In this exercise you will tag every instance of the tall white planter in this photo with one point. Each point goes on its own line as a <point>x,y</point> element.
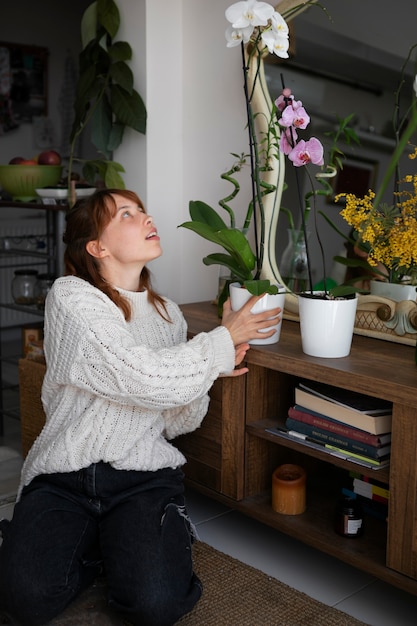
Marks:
<point>326,325</point>
<point>239,296</point>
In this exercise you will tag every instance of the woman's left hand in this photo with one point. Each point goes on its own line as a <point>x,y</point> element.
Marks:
<point>240,353</point>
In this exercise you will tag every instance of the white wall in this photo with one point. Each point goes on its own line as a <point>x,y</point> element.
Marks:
<point>194,96</point>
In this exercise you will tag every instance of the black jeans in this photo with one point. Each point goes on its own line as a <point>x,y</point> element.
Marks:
<point>67,528</point>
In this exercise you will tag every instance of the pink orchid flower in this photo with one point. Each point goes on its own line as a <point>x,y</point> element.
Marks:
<point>295,116</point>
<point>282,101</point>
<point>304,152</point>
<point>288,140</point>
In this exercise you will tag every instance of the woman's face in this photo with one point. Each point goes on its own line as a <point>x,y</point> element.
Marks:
<point>130,238</point>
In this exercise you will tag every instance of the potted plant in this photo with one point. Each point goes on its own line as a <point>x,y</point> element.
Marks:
<point>327,316</point>
<point>258,29</point>
<point>105,100</point>
<point>385,235</point>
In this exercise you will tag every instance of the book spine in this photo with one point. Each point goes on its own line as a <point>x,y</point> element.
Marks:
<point>369,507</point>
<point>370,423</point>
<point>354,455</point>
<point>336,427</point>
<point>334,439</point>
<point>369,490</point>
<point>325,448</point>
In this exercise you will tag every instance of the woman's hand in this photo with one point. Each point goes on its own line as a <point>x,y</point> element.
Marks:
<point>244,325</point>
<point>240,353</point>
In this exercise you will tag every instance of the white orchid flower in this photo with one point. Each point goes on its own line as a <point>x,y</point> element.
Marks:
<point>279,24</point>
<point>276,43</point>
<point>415,84</point>
<point>249,13</point>
<point>234,36</point>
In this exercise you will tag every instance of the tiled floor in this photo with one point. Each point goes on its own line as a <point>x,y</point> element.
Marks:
<point>318,575</point>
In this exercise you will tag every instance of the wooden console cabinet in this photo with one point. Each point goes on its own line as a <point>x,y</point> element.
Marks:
<point>232,456</point>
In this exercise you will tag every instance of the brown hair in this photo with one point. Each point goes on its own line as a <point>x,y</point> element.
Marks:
<point>85,222</point>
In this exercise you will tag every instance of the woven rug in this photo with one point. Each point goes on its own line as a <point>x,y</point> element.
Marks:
<point>234,594</point>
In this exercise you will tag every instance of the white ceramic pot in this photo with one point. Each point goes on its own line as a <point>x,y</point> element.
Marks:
<point>327,325</point>
<point>239,296</point>
<point>393,291</point>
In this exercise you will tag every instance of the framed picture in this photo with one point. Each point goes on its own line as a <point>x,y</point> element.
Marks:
<point>31,334</point>
<point>357,177</point>
<point>26,85</point>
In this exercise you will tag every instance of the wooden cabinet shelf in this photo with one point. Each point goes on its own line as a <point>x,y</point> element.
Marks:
<point>232,456</point>
<point>260,429</point>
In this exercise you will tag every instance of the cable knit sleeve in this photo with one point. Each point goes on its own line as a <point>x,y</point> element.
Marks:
<point>89,345</point>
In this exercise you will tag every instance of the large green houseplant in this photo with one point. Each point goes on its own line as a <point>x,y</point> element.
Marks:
<point>105,100</point>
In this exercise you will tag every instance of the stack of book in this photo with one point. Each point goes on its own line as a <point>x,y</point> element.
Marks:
<point>344,423</point>
<point>372,494</point>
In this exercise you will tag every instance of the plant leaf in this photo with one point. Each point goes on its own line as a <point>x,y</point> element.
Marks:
<point>226,260</point>
<point>120,51</point>
<point>116,137</point>
<point>259,287</point>
<point>202,212</point>
<point>129,108</point>
<point>108,16</point>
<point>88,24</point>
<point>102,125</point>
<point>121,74</point>
<point>232,240</point>
<point>112,178</point>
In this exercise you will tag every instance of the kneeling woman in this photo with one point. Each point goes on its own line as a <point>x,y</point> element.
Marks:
<point>102,486</point>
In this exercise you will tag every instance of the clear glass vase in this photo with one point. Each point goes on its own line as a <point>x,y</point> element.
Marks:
<point>293,266</point>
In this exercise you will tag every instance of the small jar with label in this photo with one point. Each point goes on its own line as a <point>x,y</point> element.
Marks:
<point>348,518</point>
<point>24,286</point>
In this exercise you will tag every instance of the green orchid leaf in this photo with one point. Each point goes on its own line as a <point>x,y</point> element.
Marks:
<point>355,262</point>
<point>129,108</point>
<point>236,270</point>
<point>235,242</point>
<point>202,212</point>
<point>361,263</point>
<point>259,287</point>
<point>344,291</point>
<point>232,240</point>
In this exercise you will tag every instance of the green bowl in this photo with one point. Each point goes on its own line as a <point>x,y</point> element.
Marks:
<point>20,181</point>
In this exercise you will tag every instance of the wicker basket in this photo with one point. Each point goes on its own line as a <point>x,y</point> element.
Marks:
<point>32,416</point>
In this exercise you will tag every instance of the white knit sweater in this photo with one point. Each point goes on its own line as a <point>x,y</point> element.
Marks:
<point>115,391</point>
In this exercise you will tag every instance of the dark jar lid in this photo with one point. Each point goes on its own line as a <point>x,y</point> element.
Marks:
<point>26,272</point>
<point>46,277</point>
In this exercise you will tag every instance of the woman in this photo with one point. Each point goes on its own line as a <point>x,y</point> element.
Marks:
<point>102,487</point>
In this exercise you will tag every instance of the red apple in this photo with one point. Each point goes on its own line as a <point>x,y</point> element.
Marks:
<point>28,162</point>
<point>16,161</point>
<point>50,157</point>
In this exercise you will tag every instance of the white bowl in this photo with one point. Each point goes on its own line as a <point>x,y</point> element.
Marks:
<point>62,194</point>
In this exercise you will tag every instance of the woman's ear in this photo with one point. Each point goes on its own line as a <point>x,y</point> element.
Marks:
<point>94,248</point>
